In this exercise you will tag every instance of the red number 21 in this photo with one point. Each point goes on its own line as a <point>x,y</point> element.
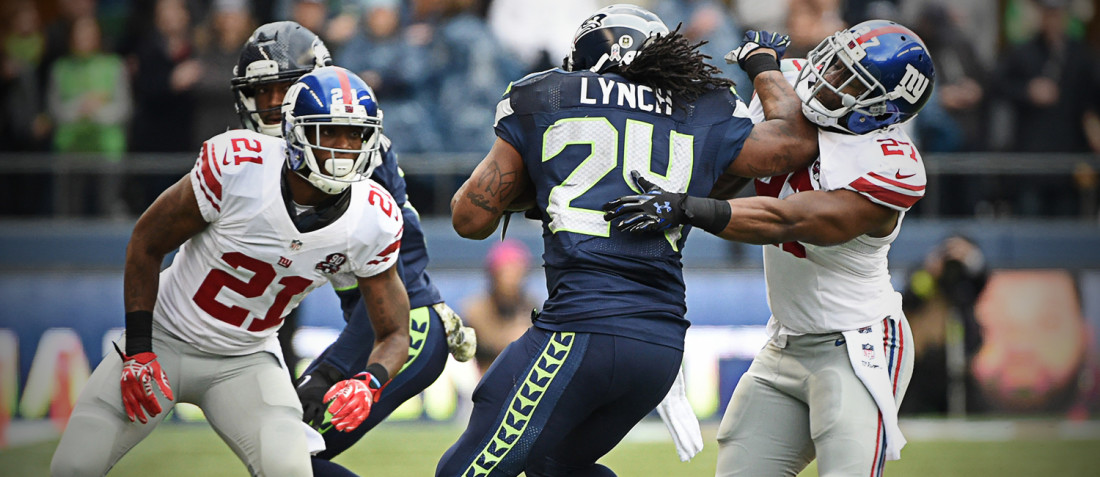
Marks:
<point>251,145</point>
<point>263,275</point>
<point>888,146</point>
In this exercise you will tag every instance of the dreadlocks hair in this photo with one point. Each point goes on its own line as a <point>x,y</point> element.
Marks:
<point>672,63</point>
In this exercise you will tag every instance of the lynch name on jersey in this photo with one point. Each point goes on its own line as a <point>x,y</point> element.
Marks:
<point>606,91</point>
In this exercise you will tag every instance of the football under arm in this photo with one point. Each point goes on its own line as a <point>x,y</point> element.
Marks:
<point>785,141</point>
<point>388,307</point>
<point>496,182</point>
<point>813,217</point>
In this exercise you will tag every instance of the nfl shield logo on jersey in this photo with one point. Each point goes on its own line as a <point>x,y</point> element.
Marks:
<point>868,351</point>
<point>332,263</point>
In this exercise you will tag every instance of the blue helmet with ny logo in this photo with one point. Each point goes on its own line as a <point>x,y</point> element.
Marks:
<point>870,76</point>
<point>318,102</point>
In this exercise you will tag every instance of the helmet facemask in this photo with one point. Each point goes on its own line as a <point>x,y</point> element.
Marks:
<point>835,71</point>
<point>259,74</point>
<point>320,164</point>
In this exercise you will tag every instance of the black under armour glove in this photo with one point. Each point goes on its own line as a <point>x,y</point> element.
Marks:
<point>656,209</point>
<point>311,392</point>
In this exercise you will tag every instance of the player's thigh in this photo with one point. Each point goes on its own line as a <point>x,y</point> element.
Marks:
<point>427,358</point>
<point>844,420</point>
<point>513,403</point>
<point>764,431</point>
<point>252,405</point>
<point>99,432</point>
<point>619,382</point>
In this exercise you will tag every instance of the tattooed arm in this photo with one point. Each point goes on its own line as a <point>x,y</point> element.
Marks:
<point>478,205</point>
<point>785,141</point>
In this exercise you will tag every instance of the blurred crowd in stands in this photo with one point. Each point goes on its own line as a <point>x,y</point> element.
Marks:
<point>113,77</point>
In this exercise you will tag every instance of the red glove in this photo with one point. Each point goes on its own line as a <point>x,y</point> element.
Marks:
<point>350,400</point>
<point>138,373</point>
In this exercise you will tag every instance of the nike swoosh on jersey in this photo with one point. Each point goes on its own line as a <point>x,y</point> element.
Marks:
<point>899,176</point>
<point>839,342</point>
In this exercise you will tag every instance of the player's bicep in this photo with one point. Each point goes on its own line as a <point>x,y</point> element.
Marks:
<point>837,216</point>
<point>497,181</point>
<point>172,219</point>
<point>775,147</point>
<point>387,302</point>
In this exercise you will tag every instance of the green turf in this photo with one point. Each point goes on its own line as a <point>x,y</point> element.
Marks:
<point>412,450</point>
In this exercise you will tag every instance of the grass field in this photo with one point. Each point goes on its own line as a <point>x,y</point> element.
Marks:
<point>404,449</point>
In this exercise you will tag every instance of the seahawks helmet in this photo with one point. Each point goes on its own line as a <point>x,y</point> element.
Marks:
<point>879,74</point>
<point>612,37</point>
<point>331,96</point>
<point>276,52</point>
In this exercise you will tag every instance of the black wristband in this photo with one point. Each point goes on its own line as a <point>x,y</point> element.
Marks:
<point>379,372</point>
<point>139,332</point>
<point>759,63</point>
<point>711,215</point>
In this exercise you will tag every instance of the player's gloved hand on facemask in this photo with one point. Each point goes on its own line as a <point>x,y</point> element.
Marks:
<point>350,400</point>
<point>754,40</point>
<point>656,209</point>
<point>139,372</point>
<point>461,339</point>
<point>312,388</point>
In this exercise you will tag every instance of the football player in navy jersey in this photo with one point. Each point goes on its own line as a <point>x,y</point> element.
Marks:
<point>273,57</point>
<point>608,342</point>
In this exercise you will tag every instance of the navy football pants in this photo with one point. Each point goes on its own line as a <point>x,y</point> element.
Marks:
<point>554,402</point>
<point>427,358</point>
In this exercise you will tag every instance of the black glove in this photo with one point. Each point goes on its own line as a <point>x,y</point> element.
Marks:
<point>653,210</point>
<point>753,65</point>
<point>311,392</point>
<point>656,209</point>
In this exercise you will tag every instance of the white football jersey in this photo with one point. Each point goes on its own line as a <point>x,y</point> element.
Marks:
<point>230,286</point>
<point>815,289</point>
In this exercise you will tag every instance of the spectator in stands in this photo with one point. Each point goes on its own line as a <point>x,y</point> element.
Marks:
<point>503,313</point>
<point>24,121</point>
<point>939,301</point>
<point>809,22</point>
<point>399,68</point>
<point>708,20</point>
<point>475,70</point>
<point>229,25</point>
<point>1051,83</point>
<point>57,33</point>
<point>536,32</point>
<point>89,99</point>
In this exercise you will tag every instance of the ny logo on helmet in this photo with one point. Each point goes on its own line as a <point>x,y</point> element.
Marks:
<point>662,208</point>
<point>912,85</point>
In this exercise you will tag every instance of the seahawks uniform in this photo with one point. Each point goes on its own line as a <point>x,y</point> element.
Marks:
<point>607,344</point>
<point>840,345</point>
<point>427,337</point>
<point>221,301</point>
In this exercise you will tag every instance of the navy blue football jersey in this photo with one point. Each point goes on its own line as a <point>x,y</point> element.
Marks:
<point>580,135</point>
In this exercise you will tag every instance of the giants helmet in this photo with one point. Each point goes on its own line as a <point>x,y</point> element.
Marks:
<point>331,96</point>
<point>880,72</point>
<point>611,37</point>
<point>279,51</point>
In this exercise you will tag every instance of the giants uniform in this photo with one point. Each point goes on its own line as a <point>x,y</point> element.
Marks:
<point>836,323</point>
<point>223,298</point>
<point>427,335</point>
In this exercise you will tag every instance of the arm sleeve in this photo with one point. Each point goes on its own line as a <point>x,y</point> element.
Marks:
<point>350,351</point>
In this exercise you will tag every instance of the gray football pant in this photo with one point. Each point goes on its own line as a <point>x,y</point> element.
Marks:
<point>802,401</point>
<point>248,400</point>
